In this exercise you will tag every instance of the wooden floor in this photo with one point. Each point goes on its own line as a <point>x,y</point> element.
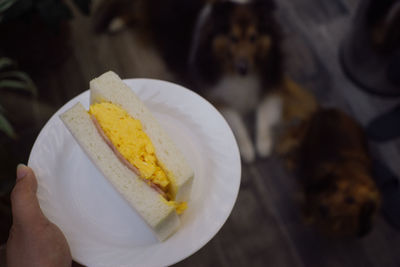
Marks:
<point>265,227</point>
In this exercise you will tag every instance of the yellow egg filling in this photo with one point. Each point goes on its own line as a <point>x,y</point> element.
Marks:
<point>127,135</point>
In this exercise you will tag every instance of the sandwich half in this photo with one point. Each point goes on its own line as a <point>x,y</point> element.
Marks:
<point>127,144</point>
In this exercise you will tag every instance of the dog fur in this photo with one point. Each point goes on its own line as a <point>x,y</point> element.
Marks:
<point>238,66</point>
<point>227,51</point>
<point>330,157</point>
<point>230,52</point>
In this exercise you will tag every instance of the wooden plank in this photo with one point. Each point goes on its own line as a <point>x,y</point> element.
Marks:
<point>251,237</point>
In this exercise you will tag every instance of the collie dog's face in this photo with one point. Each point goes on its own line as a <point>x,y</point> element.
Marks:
<point>242,43</point>
<point>344,204</point>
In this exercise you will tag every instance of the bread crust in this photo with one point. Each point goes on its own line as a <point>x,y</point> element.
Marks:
<point>150,205</point>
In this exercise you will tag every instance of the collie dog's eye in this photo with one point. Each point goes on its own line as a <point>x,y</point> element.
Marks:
<point>252,38</point>
<point>234,39</point>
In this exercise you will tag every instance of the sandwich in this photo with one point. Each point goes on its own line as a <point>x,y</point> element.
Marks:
<point>134,153</point>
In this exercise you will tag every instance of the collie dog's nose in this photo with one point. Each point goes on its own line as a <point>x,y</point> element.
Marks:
<point>242,67</point>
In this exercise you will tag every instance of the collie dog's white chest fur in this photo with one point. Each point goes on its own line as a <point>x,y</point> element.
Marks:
<point>242,93</point>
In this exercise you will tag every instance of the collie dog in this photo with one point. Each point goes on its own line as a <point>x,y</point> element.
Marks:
<point>228,51</point>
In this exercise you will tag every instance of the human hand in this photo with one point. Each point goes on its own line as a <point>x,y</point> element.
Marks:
<point>33,240</point>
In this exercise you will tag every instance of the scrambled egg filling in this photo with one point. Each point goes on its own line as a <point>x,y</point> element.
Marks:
<point>180,207</point>
<point>128,137</point>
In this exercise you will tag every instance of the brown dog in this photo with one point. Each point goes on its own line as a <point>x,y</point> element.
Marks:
<point>330,156</point>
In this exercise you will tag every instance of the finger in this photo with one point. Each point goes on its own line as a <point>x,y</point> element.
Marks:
<point>25,206</point>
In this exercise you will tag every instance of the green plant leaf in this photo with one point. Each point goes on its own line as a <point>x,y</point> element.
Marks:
<point>6,4</point>
<point>30,86</point>
<point>17,85</point>
<point>6,62</point>
<point>83,5</point>
<point>18,9</point>
<point>6,127</point>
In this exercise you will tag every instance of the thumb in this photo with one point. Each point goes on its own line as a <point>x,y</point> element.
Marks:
<point>25,205</point>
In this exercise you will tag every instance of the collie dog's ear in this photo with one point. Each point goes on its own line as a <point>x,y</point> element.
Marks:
<point>263,45</point>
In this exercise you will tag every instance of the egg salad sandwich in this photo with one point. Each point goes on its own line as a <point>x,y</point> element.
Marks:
<point>134,153</point>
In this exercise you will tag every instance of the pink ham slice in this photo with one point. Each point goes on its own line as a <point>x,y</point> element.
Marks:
<point>124,160</point>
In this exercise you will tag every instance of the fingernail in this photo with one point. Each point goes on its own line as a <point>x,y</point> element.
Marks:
<point>22,171</point>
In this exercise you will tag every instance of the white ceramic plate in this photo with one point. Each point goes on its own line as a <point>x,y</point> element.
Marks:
<point>100,227</point>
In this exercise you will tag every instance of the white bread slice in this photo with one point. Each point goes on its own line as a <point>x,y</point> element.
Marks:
<point>160,216</point>
<point>109,87</point>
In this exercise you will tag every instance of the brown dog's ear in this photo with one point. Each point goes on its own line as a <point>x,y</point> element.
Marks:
<point>365,218</point>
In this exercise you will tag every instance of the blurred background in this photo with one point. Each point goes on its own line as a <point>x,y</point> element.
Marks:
<point>49,52</point>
